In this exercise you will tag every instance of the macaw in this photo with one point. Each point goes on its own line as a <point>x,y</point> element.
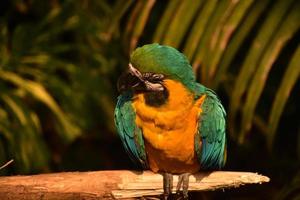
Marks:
<point>168,122</point>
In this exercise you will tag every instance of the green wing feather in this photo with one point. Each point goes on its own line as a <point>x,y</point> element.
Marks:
<point>211,131</point>
<point>131,136</point>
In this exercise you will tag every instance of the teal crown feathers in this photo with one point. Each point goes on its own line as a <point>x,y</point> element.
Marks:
<point>164,60</point>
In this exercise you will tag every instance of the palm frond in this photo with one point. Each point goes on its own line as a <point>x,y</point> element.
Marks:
<point>285,32</point>
<point>274,18</point>
<point>289,79</point>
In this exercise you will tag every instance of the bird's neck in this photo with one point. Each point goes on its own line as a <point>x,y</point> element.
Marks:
<point>177,108</point>
<point>157,98</point>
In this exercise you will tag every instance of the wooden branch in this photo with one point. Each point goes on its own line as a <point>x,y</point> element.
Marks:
<point>112,184</point>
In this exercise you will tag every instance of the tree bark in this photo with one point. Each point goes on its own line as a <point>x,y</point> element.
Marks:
<point>112,184</point>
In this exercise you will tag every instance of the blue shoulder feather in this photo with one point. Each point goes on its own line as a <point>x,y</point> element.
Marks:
<point>211,131</point>
<point>131,136</point>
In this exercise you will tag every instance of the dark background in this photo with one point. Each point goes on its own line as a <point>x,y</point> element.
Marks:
<point>60,61</point>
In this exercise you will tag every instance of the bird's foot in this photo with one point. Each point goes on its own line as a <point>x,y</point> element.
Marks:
<point>183,180</point>
<point>168,185</point>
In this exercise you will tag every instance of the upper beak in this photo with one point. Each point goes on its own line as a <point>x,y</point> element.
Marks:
<point>133,80</point>
<point>135,72</point>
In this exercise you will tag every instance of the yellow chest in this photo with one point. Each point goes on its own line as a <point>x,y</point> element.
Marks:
<point>169,129</point>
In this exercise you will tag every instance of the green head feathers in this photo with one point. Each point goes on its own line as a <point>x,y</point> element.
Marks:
<point>164,60</point>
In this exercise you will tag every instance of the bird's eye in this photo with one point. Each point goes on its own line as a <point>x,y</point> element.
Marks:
<point>152,77</point>
<point>147,75</point>
<point>157,76</point>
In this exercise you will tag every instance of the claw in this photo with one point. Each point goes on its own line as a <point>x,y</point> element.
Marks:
<point>183,180</point>
<point>168,185</point>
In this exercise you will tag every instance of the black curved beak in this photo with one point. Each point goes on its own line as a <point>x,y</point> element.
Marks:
<point>131,80</point>
<point>134,80</point>
<point>127,81</point>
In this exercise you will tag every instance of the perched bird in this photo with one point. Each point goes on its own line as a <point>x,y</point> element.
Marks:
<point>168,122</point>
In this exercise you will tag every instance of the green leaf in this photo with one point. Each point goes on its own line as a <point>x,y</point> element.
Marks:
<point>289,79</point>
<point>165,20</point>
<point>227,30</point>
<point>211,33</point>
<point>132,21</point>
<point>238,38</point>
<point>140,23</point>
<point>287,29</point>
<point>39,59</point>
<point>181,21</point>
<point>137,22</point>
<point>26,145</point>
<point>265,34</point>
<point>198,28</point>
<point>38,91</point>
<point>16,109</point>
<point>4,52</point>
<point>118,12</point>
<point>4,130</point>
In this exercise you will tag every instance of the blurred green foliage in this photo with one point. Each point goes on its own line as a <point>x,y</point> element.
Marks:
<point>60,60</point>
<point>56,71</point>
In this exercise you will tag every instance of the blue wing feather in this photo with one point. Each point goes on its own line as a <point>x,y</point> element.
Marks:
<point>211,131</point>
<point>130,135</point>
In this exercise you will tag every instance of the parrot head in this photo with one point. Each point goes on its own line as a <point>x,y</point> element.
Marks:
<point>151,64</point>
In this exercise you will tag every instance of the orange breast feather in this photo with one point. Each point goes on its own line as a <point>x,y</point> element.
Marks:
<point>169,130</point>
